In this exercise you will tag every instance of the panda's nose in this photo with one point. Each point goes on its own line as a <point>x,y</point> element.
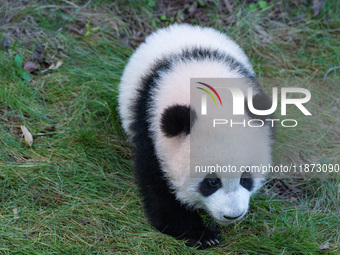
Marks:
<point>232,218</point>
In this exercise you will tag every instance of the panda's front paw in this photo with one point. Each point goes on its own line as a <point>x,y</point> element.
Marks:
<point>204,239</point>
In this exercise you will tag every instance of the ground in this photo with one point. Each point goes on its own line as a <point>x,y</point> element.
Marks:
<point>73,190</point>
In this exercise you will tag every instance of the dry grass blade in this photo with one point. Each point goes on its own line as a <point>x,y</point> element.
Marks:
<point>54,66</point>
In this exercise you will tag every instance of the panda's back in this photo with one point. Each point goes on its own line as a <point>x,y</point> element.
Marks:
<point>165,44</point>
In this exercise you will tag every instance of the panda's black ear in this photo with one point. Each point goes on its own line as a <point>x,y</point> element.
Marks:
<point>261,102</point>
<point>177,119</point>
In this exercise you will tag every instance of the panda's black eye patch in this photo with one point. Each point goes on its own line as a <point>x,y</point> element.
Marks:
<point>209,185</point>
<point>246,180</point>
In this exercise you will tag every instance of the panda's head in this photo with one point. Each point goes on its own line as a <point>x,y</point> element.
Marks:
<point>225,198</point>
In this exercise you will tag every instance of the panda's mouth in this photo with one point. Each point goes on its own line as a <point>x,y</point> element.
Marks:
<point>232,218</point>
<point>225,220</point>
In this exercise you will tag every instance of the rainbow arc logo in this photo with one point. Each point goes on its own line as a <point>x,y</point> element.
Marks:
<point>212,89</point>
<point>204,98</point>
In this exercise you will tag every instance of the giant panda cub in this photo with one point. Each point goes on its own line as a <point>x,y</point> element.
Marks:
<point>155,110</point>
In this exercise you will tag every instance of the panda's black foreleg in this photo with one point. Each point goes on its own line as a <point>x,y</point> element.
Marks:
<point>166,213</point>
<point>170,217</point>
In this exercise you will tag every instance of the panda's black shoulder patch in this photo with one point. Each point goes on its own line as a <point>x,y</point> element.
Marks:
<point>177,119</point>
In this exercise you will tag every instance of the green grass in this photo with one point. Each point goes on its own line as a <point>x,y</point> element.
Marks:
<point>74,189</point>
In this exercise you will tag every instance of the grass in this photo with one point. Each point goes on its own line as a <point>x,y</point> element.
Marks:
<point>74,190</point>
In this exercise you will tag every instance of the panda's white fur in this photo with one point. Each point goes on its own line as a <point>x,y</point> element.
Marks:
<point>249,146</point>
